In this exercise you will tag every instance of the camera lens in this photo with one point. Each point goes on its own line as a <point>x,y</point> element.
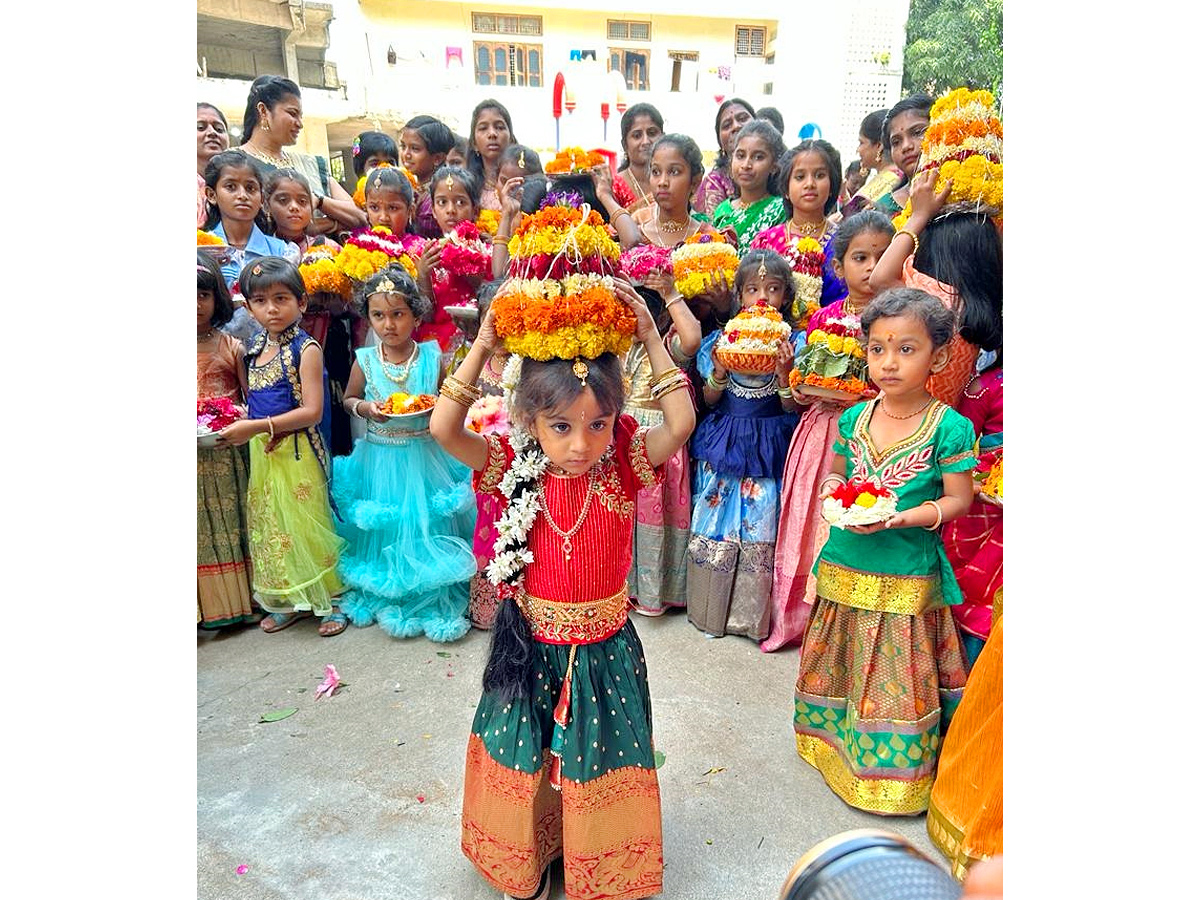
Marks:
<point>868,864</point>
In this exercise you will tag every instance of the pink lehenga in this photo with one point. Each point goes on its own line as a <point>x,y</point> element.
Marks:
<point>802,529</point>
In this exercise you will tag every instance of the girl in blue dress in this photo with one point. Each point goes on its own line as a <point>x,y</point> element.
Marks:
<point>408,508</point>
<point>293,546</point>
<point>739,449</point>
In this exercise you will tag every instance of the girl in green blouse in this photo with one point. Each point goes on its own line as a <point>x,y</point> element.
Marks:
<point>882,667</point>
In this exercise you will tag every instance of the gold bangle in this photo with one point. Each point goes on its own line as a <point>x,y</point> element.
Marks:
<point>938,524</point>
<point>915,239</point>
<point>500,239</point>
<point>665,387</point>
<point>665,374</point>
<point>785,393</point>
<point>469,389</point>
<point>673,386</point>
<point>271,427</point>
<point>450,393</point>
<point>717,385</point>
<point>677,298</point>
<point>616,213</point>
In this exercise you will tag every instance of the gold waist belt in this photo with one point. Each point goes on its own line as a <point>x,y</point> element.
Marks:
<point>570,622</point>
<point>908,595</point>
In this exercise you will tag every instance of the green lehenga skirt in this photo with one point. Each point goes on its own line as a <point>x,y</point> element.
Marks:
<point>292,541</point>
<point>606,822</point>
<point>875,693</point>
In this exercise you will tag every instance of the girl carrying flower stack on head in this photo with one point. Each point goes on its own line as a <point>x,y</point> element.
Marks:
<point>236,215</point>
<point>811,177</point>
<point>371,150</point>
<point>407,507</point>
<point>882,668</point>
<point>947,240</point>
<point>861,241</point>
<point>293,545</point>
<point>560,761</point>
<point>451,268</point>
<point>757,206</point>
<point>222,551</point>
<point>739,450</point>
<point>424,145</point>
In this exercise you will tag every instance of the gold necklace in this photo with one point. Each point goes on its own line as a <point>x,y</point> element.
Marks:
<point>686,234</point>
<point>909,416</point>
<point>279,162</point>
<point>808,229</point>
<point>592,488</point>
<point>669,226</point>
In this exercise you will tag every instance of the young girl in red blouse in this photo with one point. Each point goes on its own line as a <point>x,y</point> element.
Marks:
<point>560,761</point>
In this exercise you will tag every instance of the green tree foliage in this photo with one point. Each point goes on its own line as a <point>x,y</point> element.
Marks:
<point>954,43</point>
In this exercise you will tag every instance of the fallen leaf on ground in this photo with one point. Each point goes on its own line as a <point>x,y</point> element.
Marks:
<point>660,759</point>
<point>714,770</point>
<point>276,715</point>
<point>709,841</point>
<point>443,654</point>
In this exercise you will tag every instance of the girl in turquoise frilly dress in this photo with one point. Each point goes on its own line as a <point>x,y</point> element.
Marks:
<point>407,507</point>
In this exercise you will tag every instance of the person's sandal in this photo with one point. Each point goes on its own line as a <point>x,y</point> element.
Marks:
<point>338,618</point>
<point>280,621</point>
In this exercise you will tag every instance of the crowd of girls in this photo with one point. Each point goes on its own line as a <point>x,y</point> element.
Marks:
<point>318,503</point>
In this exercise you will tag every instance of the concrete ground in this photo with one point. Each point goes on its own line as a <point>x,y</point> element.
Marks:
<point>358,796</point>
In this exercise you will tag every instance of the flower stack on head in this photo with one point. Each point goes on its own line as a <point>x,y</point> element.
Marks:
<point>318,268</point>
<point>858,503</point>
<point>641,259</point>
<point>698,259</point>
<point>560,300</point>
<point>751,339</point>
<point>574,161</point>
<point>965,143</point>
<point>832,364</point>
<point>360,189</point>
<point>370,249</point>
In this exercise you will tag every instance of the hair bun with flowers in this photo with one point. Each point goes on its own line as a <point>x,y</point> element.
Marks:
<point>560,299</point>
<point>965,143</point>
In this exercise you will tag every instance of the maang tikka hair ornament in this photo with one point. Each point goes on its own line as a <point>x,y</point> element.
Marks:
<point>449,182</point>
<point>521,160</point>
<point>580,370</point>
<point>762,266</point>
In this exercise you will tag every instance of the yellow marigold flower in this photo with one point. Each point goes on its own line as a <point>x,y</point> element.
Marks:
<point>865,500</point>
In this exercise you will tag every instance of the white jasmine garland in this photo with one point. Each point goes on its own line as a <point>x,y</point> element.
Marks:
<point>511,548</point>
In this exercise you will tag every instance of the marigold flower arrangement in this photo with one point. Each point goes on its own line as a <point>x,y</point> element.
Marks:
<point>699,258</point>
<point>751,339</point>
<point>401,404</point>
<point>560,301</point>
<point>640,260</point>
<point>965,143</point>
<point>370,249</point>
<point>204,239</point>
<point>832,359</point>
<point>574,160</point>
<point>318,268</point>
<point>858,503</point>
<point>360,189</point>
<point>214,413</point>
<point>488,221</point>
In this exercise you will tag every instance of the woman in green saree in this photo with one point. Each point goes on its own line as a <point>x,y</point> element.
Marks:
<point>758,205</point>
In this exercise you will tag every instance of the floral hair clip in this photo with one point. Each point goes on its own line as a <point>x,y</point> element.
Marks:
<point>257,270</point>
<point>580,370</point>
<point>357,148</point>
<point>385,286</point>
